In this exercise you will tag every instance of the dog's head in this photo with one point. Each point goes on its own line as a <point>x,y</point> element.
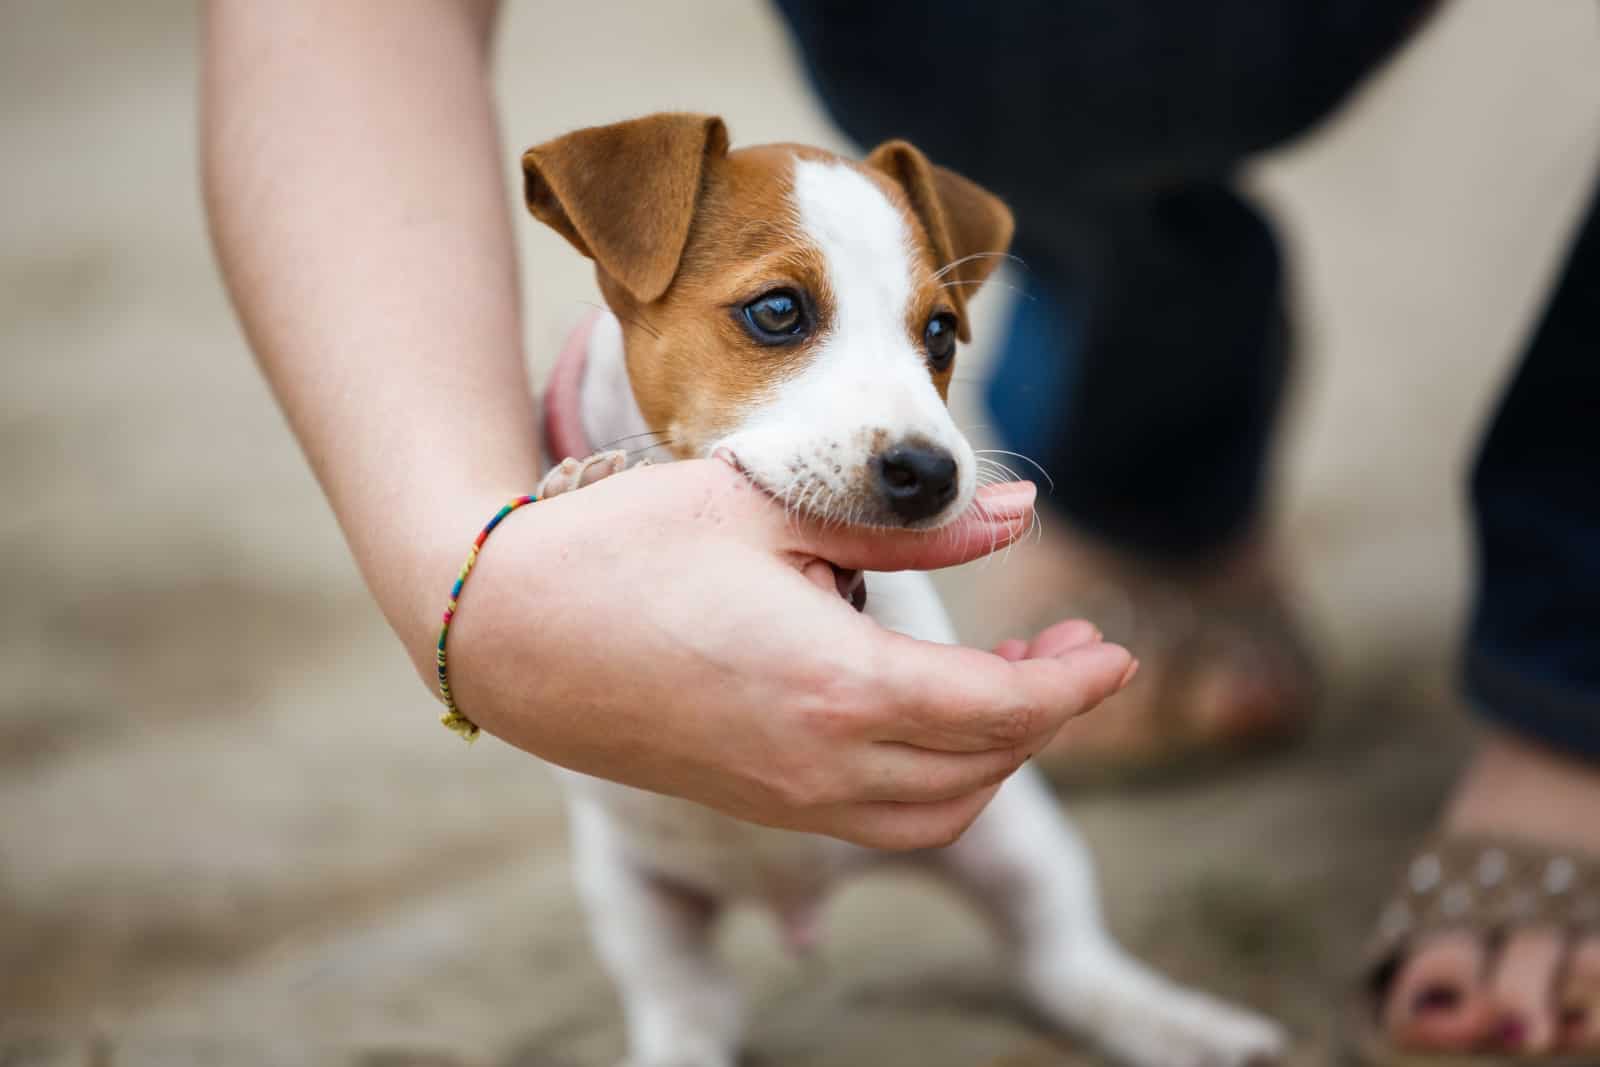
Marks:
<point>795,310</point>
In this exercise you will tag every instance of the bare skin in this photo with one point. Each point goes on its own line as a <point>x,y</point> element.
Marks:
<point>1539,991</point>
<point>658,628</point>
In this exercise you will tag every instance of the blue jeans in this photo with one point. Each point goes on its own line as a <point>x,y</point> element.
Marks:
<point>1147,370</point>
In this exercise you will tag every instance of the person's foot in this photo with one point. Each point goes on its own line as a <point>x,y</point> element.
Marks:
<point>1536,988</point>
<point>1223,666</point>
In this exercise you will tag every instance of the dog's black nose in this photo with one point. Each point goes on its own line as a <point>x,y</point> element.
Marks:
<point>918,480</point>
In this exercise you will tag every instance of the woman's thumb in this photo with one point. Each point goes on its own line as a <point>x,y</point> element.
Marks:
<point>998,515</point>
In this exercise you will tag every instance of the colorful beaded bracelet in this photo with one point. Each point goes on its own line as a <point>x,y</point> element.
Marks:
<point>452,717</point>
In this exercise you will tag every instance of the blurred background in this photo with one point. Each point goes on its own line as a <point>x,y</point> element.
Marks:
<point>231,830</point>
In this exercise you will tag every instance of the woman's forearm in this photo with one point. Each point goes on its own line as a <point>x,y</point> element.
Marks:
<point>656,629</point>
<point>353,178</point>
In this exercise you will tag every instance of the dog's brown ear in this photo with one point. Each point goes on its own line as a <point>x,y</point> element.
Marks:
<point>624,194</point>
<point>969,226</point>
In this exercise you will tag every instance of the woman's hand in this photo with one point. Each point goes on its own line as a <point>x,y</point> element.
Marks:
<point>657,629</point>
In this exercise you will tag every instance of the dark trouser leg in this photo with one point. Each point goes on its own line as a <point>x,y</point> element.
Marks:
<point>1146,376</point>
<point>1533,657</point>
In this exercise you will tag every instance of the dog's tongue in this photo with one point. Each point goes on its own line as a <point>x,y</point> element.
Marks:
<point>563,419</point>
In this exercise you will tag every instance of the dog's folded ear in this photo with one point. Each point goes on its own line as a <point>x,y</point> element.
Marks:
<point>625,194</point>
<point>969,226</point>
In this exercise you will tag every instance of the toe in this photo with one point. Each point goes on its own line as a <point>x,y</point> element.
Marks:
<point>1521,987</point>
<point>1437,1000</point>
<point>1578,999</point>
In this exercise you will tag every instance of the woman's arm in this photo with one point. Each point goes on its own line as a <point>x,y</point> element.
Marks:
<point>353,176</point>
<point>656,628</point>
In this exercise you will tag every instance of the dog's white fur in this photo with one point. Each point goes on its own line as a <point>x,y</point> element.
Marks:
<point>813,441</point>
<point>651,869</point>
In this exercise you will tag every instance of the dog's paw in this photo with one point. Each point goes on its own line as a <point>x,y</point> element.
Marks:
<point>1187,1029</point>
<point>687,1051</point>
<point>1143,1019</point>
<point>572,474</point>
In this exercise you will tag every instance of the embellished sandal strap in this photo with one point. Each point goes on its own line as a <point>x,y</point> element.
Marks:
<point>1487,885</point>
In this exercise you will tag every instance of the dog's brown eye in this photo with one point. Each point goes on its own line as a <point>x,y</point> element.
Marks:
<point>776,317</point>
<point>940,337</point>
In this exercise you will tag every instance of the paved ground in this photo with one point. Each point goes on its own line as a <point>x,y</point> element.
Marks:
<point>230,831</point>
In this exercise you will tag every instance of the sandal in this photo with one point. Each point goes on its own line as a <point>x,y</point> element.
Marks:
<point>1487,886</point>
<point>1188,633</point>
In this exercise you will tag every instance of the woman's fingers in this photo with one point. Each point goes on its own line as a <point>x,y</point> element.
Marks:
<point>1012,649</point>
<point>1052,641</point>
<point>902,771</point>
<point>903,827</point>
<point>998,516</point>
<point>961,700</point>
<point>714,491</point>
<point>894,771</point>
<point>1063,637</point>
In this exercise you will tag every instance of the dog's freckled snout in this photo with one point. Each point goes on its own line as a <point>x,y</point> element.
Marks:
<point>917,480</point>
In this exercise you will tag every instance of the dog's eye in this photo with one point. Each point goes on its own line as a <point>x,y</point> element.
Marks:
<point>940,337</point>
<point>776,317</point>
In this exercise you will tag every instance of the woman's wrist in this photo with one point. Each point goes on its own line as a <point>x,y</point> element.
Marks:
<point>413,586</point>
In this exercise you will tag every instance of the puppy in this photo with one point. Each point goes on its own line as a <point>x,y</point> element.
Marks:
<point>798,314</point>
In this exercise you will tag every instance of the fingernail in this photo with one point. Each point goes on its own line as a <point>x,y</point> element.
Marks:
<point>1008,501</point>
<point>1127,675</point>
<point>1436,998</point>
<point>1511,1032</point>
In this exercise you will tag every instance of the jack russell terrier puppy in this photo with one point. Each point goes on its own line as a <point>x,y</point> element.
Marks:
<point>797,314</point>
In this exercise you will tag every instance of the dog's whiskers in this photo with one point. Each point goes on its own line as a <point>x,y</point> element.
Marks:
<point>992,281</point>
<point>631,437</point>
<point>791,514</point>
<point>636,452</point>
<point>992,472</point>
<point>637,321</point>
<point>984,453</point>
<point>948,267</point>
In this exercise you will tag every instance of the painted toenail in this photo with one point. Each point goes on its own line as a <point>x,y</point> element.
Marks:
<point>1436,998</point>
<point>1511,1032</point>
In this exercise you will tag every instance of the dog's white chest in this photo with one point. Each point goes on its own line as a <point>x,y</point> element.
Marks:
<point>704,850</point>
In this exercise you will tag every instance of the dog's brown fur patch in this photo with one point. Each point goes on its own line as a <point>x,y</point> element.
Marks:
<point>662,198</point>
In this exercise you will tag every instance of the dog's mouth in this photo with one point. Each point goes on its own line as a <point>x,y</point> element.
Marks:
<point>851,584</point>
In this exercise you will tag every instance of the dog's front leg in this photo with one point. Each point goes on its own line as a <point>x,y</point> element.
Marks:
<point>681,1005</point>
<point>1026,868</point>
